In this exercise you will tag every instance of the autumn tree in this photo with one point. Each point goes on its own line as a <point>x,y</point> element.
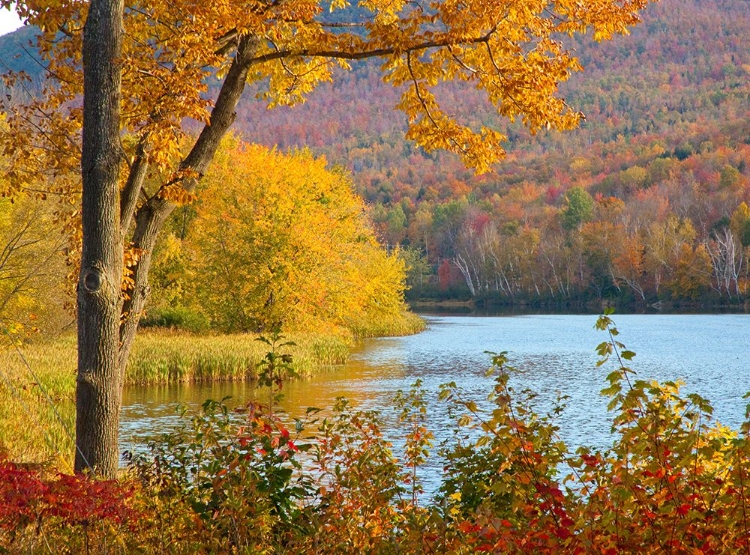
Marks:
<point>281,242</point>
<point>728,262</point>
<point>666,243</point>
<point>692,272</point>
<point>418,269</point>
<point>144,68</point>
<point>740,224</point>
<point>602,242</point>
<point>628,264</point>
<point>33,273</point>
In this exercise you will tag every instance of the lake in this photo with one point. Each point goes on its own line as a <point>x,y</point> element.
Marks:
<point>553,354</point>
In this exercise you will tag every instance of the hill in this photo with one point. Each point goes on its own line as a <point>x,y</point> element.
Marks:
<point>687,63</point>
<point>667,138</point>
<point>17,52</point>
<point>666,135</point>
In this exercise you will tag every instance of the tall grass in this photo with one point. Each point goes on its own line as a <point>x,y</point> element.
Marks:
<point>32,431</point>
<point>31,428</point>
<point>405,323</point>
<point>166,357</point>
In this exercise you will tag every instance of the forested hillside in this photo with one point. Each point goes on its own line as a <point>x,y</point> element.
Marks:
<point>665,144</point>
<point>643,202</point>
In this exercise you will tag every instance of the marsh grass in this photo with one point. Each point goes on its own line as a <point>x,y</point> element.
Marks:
<point>35,430</point>
<point>166,357</point>
<point>30,429</point>
<point>406,323</point>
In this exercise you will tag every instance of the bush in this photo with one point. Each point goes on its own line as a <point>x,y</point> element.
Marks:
<point>68,513</point>
<point>176,317</point>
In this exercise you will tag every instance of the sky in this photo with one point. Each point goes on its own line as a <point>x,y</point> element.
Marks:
<point>8,22</point>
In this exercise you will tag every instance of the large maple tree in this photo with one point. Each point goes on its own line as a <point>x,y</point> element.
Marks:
<point>143,70</point>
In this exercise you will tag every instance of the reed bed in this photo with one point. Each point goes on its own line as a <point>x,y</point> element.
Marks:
<point>37,402</point>
<point>406,323</point>
<point>37,381</point>
<point>165,357</point>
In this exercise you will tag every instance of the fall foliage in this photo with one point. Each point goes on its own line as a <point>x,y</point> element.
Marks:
<point>33,276</point>
<point>279,242</point>
<point>665,132</point>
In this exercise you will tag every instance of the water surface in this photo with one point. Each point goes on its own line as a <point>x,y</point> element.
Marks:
<point>554,354</point>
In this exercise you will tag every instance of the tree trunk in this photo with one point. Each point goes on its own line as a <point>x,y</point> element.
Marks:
<point>107,323</point>
<point>98,388</point>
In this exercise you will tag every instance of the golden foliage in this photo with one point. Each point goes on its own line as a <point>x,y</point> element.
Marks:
<point>281,240</point>
<point>508,49</point>
<point>32,273</point>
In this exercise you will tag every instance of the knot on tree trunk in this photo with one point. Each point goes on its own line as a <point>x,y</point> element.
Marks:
<point>92,280</point>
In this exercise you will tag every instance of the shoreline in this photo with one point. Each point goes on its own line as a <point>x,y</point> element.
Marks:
<point>484,307</point>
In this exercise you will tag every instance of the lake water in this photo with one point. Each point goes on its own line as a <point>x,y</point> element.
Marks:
<point>553,354</point>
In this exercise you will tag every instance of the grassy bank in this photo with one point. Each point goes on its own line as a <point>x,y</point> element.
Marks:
<point>32,429</point>
<point>168,357</point>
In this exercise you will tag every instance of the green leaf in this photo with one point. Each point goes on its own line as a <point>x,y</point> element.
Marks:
<point>614,389</point>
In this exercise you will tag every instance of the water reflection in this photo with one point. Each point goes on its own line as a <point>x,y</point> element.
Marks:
<point>150,410</point>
